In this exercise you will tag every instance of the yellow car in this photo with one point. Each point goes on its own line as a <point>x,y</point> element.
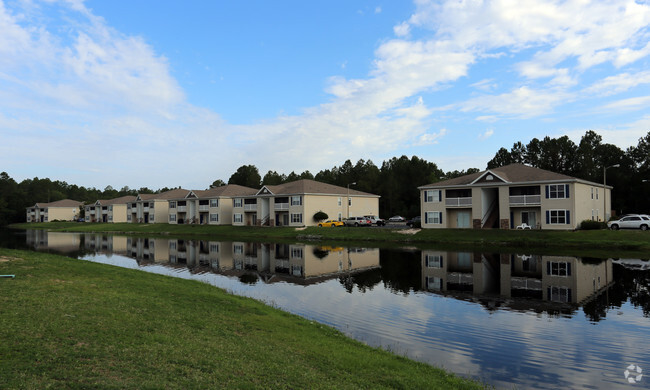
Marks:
<point>331,224</point>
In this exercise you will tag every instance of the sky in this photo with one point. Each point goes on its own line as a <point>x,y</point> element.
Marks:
<point>157,93</point>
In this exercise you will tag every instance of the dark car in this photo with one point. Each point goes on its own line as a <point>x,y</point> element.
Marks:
<point>415,222</point>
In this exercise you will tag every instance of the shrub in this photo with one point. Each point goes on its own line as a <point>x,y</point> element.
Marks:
<point>588,224</point>
<point>319,216</point>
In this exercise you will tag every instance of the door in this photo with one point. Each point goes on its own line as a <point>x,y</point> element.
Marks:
<point>529,218</point>
<point>462,219</point>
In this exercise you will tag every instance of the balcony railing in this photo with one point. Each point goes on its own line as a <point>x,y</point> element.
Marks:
<point>458,202</point>
<point>282,206</point>
<point>181,209</point>
<point>250,207</point>
<point>525,200</point>
<point>204,207</point>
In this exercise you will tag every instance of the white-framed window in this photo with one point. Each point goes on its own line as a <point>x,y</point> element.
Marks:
<point>214,248</point>
<point>151,217</point>
<point>558,217</point>
<point>110,208</point>
<point>172,204</point>
<point>172,217</point>
<point>296,218</point>
<point>296,253</point>
<point>238,249</point>
<point>557,191</point>
<point>432,196</point>
<point>214,217</point>
<point>214,202</point>
<point>349,201</point>
<point>340,202</point>
<point>128,217</point>
<point>296,200</point>
<point>433,217</point>
<point>45,219</point>
<point>110,218</point>
<point>151,204</point>
<point>172,244</point>
<point>237,218</point>
<point>433,261</point>
<point>596,193</point>
<point>433,283</point>
<point>340,217</point>
<point>558,268</point>
<point>88,218</point>
<point>238,202</point>
<point>87,209</point>
<point>559,294</point>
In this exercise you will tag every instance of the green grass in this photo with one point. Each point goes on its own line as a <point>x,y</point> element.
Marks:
<point>68,323</point>
<point>604,243</point>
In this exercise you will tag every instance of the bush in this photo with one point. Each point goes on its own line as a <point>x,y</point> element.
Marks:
<point>588,224</point>
<point>319,216</point>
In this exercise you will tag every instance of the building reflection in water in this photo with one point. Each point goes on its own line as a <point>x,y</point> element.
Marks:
<point>555,280</point>
<point>270,263</point>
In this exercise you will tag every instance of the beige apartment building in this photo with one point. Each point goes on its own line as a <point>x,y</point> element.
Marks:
<point>110,210</point>
<point>513,195</point>
<point>295,203</point>
<point>213,206</point>
<point>152,208</point>
<point>61,210</point>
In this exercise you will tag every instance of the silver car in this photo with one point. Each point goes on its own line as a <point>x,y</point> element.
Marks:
<point>632,221</point>
<point>357,221</point>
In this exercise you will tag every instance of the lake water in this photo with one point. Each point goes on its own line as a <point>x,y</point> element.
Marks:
<point>510,319</point>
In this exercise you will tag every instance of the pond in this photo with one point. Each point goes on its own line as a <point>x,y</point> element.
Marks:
<point>509,319</point>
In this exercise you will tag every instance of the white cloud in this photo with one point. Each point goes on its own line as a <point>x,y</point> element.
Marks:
<point>430,138</point>
<point>522,102</point>
<point>636,103</point>
<point>488,133</point>
<point>619,83</point>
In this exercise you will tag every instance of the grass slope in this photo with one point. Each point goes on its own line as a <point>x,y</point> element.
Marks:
<point>73,324</point>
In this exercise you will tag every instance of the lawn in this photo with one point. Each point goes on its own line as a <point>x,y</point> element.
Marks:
<point>68,323</point>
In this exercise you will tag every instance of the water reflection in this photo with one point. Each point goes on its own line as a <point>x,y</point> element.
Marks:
<point>522,320</point>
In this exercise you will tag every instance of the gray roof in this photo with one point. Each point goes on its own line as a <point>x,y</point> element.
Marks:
<point>306,186</point>
<point>171,194</point>
<point>508,174</point>
<point>121,200</point>
<point>60,203</point>
<point>230,190</point>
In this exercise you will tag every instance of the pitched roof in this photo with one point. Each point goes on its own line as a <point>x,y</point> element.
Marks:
<point>60,203</point>
<point>306,186</point>
<point>177,193</point>
<point>513,173</point>
<point>227,190</point>
<point>121,200</point>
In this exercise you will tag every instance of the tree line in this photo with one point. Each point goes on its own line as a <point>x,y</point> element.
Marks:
<point>397,179</point>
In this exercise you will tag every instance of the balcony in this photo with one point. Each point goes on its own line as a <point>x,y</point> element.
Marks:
<point>458,202</point>
<point>180,209</point>
<point>204,207</point>
<point>282,206</point>
<point>525,200</point>
<point>250,207</point>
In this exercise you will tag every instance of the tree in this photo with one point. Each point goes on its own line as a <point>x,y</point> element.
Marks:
<point>246,175</point>
<point>273,178</point>
<point>217,183</point>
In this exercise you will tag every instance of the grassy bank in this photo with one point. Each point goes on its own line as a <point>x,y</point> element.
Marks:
<point>632,242</point>
<point>74,324</point>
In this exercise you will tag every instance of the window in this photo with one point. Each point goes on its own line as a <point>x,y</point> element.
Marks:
<point>238,202</point>
<point>558,268</point>
<point>296,218</point>
<point>596,193</point>
<point>340,217</point>
<point>110,208</point>
<point>151,205</point>
<point>214,248</point>
<point>110,218</point>
<point>128,217</point>
<point>172,205</point>
<point>433,217</point>
<point>237,218</point>
<point>433,261</point>
<point>559,294</point>
<point>87,208</point>
<point>558,217</point>
<point>172,244</point>
<point>238,249</point>
<point>432,196</point>
<point>296,200</point>
<point>214,202</point>
<point>151,216</point>
<point>214,217</point>
<point>340,202</point>
<point>296,253</point>
<point>349,201</point>
<point>172,217</point>
<point>557,191</point>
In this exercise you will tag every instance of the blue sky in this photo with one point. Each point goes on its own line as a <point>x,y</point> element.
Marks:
<point>167,93</point>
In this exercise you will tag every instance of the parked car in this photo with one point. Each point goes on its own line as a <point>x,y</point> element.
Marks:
<point>396,218</point>
<point>375,220</point>
<point>631,221</point>
<point>331,223</point>
<point>415,222</point>
<point>357,221</point>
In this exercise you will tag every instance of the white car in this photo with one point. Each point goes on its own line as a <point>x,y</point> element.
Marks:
<point>632,221</point>
<point>397,218</point>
